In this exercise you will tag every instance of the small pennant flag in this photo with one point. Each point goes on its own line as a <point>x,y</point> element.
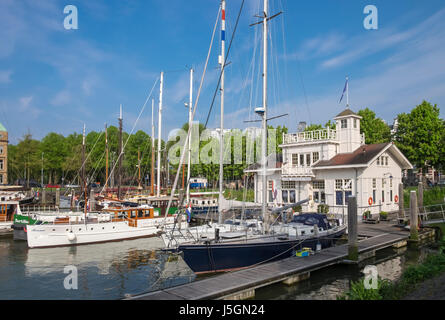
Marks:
<point>344,90</point>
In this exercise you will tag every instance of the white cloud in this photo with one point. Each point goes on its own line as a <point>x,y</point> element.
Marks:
<point>61,98</point>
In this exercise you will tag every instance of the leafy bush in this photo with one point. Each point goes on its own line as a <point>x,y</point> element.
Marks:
<point>323,208</point>
<point>367,215</point>
<point>383,215</point>
<point>297,208</point>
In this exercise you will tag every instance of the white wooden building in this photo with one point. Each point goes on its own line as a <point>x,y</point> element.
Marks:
<point>328,165</point>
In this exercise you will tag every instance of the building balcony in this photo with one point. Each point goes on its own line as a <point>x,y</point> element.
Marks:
<point>323,135</point>
<point>296,171</point>
<point>310,136</point>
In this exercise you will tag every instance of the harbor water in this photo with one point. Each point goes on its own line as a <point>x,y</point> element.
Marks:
<point>104,271</point>
<point>115,269</point>
<point>329,283</point>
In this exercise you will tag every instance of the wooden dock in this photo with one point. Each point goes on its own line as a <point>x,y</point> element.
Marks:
<point>242,284</point>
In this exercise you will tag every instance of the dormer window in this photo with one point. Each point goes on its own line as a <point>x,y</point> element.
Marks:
<point>344,123</point>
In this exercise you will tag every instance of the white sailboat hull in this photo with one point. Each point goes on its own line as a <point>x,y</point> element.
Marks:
<point>75,234</point>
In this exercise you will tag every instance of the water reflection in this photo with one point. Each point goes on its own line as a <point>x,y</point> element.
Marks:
<point>105,271</point>
<point>327,284</point>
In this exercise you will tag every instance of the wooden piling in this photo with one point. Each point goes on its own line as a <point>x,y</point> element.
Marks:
<point>58,197</point>
<point>420,204</point>
<point>92,200</point>
<point>352,229</point>
<point>401,203</point>
<point>43,195</point>
<point>414,235</point>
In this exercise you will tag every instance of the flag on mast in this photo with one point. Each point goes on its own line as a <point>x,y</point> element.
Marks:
<point>344,90</point>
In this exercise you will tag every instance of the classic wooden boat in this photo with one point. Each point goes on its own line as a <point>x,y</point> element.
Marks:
<point>112,224</point>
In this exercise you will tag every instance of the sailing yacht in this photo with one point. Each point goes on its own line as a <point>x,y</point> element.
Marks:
<point>232,251</point>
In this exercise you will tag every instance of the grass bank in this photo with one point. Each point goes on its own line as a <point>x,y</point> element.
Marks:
<point>431,267</point>
<point>431,196</point>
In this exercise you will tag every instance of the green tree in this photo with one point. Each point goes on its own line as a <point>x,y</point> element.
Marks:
<point>419,135</point>
<point>375,129</point>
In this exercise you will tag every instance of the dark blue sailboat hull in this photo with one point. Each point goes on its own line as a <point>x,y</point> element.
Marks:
<point>212,257</point>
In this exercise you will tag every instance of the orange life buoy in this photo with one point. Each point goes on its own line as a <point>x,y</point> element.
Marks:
<point>370,201</point>
<point>396,198</point>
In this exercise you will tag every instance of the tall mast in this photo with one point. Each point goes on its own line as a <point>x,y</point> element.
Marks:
<point>119,170</point>
<point>139,170</point>
<point>221,134</point>
<point>152,148</point>
<point>159,134</point>
<point>106,156</point>
<point>347,92</point>
<point>83,173</point>
<point>264,120</point>
<point>190,141</point>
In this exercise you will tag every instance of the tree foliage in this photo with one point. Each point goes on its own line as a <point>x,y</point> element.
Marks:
<point>420,135</point>
<point>375,129</point>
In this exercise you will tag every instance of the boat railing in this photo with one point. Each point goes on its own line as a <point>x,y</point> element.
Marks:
<point>38,208</point>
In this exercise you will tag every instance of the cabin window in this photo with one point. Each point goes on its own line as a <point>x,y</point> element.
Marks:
<point>315,156</point>
<point>373,196</point>
<point>344,123</point>
<point>301,160</point>
<point>308,159</point>
<point>390,195</point>
<point>292,198</point>
<point>355,123</point>
<point>378,161</point>
<point>319,193</point>
<point>288,184</point>
<point>374,183</point>
<point>284,194</point>
<point>140,214</point>
<point>383,196</point>
<point>295,159</point>
<point>386,161</point>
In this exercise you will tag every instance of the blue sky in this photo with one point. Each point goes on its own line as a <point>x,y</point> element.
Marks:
<point>54,80</point>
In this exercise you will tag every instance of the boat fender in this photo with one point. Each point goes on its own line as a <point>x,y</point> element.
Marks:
<point>71,236</point>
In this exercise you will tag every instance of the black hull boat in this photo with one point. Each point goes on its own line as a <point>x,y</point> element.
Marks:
<point>228,255</point>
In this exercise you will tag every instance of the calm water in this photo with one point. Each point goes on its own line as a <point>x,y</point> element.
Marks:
<point>105,271</point>
<point>112,270</point>
<point>327,284</point>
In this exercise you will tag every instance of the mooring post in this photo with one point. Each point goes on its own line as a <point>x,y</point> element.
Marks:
<point>420,204</point>
<point>413,216</point>
<point>352,229</point>
<point>57,197</point>
<point>43,195</point>
<point>401,204</point>
<point>72,200</point>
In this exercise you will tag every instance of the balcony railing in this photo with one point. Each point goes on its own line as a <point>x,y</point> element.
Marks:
<point>310,136</point>
<point>298,171</point>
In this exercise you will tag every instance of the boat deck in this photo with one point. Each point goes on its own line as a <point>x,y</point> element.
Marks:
<point>229,284</point>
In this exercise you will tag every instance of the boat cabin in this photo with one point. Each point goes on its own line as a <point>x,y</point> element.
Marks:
<point>7,210</point>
